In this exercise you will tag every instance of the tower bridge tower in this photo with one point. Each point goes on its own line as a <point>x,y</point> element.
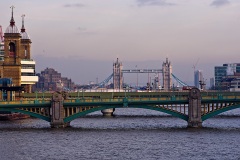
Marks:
<point>117,75</point>
<point>167,75</point>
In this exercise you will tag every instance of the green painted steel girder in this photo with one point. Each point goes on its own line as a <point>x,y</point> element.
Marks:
<point>218,111</point>
<point>48,119</point>
<point>220,101</point>
<point>27,105</point>
<point>123,102</point>
<point>77,115</point>
<point>173,113</point>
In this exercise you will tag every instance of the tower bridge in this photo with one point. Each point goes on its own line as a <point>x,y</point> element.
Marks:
<point>166,72</point>
<point>118,72</point>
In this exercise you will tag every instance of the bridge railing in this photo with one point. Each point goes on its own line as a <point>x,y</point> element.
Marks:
<point>136,99</point>
<point>23,102</point>
<point>220,96</point>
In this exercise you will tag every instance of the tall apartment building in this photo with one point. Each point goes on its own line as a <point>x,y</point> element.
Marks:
<point>15,57</point>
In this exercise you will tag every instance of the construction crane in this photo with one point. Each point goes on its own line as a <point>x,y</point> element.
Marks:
<point>194,66</point>
<point>1,34</point>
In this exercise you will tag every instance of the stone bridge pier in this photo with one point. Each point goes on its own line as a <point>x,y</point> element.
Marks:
<point>57,111</point>
<point>108,112</point>
<point>194,108</point>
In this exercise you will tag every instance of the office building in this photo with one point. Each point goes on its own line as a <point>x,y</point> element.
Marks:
<point>198,79</point>
<point>222,72</point>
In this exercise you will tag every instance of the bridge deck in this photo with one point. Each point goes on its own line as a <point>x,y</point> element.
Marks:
<point>174,103</point>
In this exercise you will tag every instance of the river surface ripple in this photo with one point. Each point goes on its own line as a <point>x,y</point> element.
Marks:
<point>131,134</point>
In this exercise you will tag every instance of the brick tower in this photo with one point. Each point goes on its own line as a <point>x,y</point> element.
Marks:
<point>11,66</point>
<point>16,64</point>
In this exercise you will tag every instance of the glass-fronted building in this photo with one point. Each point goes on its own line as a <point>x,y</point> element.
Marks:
<point>221,72</point>
<point>198,79</point>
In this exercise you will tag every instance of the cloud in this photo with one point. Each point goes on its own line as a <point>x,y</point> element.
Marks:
<point>85,31</point>
<point>219,3</point>
<point>82,29</point>
<point>74,5</point>
<point>153,3</point>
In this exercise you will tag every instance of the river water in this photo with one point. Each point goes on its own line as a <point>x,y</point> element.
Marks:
<point>131,134</point>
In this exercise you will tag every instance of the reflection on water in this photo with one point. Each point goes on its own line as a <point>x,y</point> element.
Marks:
<point>131,134</point>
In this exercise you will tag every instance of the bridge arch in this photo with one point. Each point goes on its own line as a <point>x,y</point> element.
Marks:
<point>83,113</point>
<point>36,115</point>
<point>218,111</point>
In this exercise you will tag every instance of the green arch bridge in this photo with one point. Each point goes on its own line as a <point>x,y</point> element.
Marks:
<point>61,108</point>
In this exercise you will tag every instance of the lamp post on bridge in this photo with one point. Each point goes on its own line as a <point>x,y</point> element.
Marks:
<point>43,95</point>
<point>125,89</point>
<point>36,93</point>
<point>82,93</point>
<point>202,84</point>
<point>137,76</point>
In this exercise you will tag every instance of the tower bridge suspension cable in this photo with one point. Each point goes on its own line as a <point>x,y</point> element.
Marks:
<point>104,82</point>
<point>179,81</point>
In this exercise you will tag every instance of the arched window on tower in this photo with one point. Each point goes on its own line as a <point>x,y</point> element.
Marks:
<point>25,52</point>
<point>12,49</point>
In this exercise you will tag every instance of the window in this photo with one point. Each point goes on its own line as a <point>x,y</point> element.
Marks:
<point>12,49</point>
<point>25,52</point>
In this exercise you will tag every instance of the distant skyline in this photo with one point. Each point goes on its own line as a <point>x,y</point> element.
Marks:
<point>93,33</point>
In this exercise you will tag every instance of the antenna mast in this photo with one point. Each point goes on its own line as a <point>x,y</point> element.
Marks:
<point>194,66</point>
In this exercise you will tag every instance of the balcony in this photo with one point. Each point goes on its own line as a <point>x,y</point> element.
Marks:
<point>27,71</point>
<point>27,61</point>
<point>29,79</point>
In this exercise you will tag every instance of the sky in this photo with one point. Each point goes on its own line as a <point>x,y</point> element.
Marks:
<point>82,38</point>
